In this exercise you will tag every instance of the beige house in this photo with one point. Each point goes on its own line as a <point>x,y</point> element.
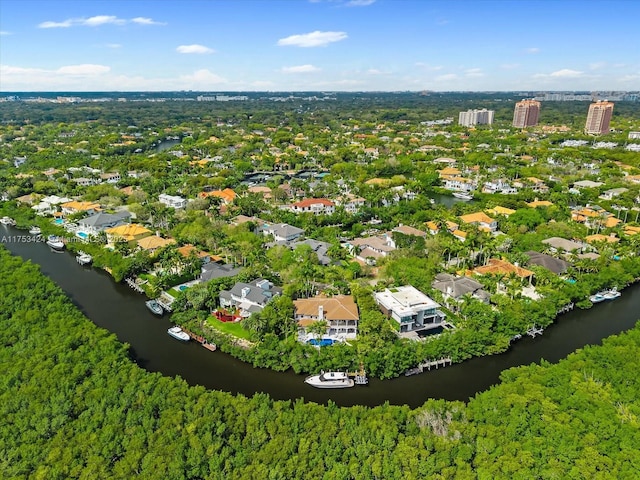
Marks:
<point>340,314</point>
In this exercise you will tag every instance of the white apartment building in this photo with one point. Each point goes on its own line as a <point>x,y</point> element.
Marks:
<point>412,309</point>
<point>476,117</point>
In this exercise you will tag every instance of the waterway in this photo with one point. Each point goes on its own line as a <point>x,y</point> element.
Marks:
<point>118,309</point>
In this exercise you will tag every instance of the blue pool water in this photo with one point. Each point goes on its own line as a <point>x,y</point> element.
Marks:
<point>182,288</point>
<point>82,235</point>
<point>571,280</point>
<point>58,221</point>
<point>325,342</point>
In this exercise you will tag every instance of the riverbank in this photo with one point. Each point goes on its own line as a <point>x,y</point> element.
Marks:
<point>116,308</point>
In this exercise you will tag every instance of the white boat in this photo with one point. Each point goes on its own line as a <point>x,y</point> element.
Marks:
<point>330,380</point>
<point>179,334</point>
<point>597,298</point>
<point>35,230</point>
<point>7,221</point>
<point>463,195</point>
<point>154,306</point>
<point>84,258</point>
<point>55,242</point>
<point>611,294</point>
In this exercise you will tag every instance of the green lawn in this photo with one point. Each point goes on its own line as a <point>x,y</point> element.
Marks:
<point>229,328</point>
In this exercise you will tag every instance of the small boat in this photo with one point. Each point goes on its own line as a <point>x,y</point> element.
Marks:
<point>463,195</point>
<point>178,334</point>
<point>154,306</point>
<point>597,298</point>
<point>209,346</point>
<point>83,258</point>
<point>35,230</point>
<point>330,380</point>
<point>7,221</point>
<point>55,242</point>
<point>611,294</point>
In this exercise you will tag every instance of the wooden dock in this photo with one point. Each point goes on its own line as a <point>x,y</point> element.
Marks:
<point>201,340</point>
<point>428,365</point>
<point>132,283</point>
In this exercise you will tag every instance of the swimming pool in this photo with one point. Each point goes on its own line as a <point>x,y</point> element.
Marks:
<point>82,235</point>
<point>182,288</point>
<point>58,221</point>
<point>325,342</point>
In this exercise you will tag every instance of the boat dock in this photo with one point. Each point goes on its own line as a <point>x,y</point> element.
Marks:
<point>201,340</point>
<point>165,301</point>
<point>534,331</point>
<point>428,365</point>
<point>360,377</point>
<point>132,283</point>
<point>567,308</point>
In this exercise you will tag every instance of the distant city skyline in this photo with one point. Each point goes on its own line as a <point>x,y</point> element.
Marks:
<point>316,45</point>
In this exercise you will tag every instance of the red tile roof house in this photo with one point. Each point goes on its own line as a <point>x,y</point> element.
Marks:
<point>316,206</point>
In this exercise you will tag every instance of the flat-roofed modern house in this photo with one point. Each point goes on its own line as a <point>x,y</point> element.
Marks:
<point>172,201</point>
<point>410,308</point>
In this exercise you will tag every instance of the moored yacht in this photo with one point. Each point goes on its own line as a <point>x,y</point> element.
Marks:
<point>611,294</point>
<point>35,230</point>
<point>84,258</point>
<point>7,221</point>
<point>55,242</point>
<point>597,297</point>
<point>154,306</point>
<point>330,380</point>
<point>463,195</point>
<point>177,333</point>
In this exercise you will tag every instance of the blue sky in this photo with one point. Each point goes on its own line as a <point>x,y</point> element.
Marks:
<point>293,45</point>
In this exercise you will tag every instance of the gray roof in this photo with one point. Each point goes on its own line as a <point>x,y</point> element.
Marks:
<point>321,249</point>
<point>99,220</point>
<point>214,270</point>
<point>556,265</point>
<point>562,243</point>
<point>285,230</point>
<point>255,293</point>
<point>457,286</point>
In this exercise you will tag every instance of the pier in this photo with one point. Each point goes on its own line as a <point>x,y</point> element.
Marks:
<point>132,283</point>
<point>428,365</point>
<point>360,377</point>
<point>534,331</point>
<point>165,301</point>
<point>567,308</point>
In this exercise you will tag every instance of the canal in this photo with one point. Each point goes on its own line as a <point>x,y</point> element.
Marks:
<point>118,309</point>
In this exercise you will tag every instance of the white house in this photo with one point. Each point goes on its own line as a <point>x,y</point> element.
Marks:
<point>410,308</point>
<point>316,206</point>
<point>172,201</point>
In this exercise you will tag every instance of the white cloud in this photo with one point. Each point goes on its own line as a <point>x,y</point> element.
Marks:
<point>426,66</point>
<point>300,69</point>
<point>532,50</point>
<point>313,39</point>
<point>566,73</point>
<point>195,48</point>
<point>4,32</point>
<point>113,45</point>
<point>447,77</point>
<point>474,72</point>
<point>375,71</point>
<point>83,69</point>
<point>597,65</point>
<point>146,21</point>
<point>630,78</point>
<point>96,21</point>
<point>201,79</point>
<point>64,24</point>
<point>103,20</point>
